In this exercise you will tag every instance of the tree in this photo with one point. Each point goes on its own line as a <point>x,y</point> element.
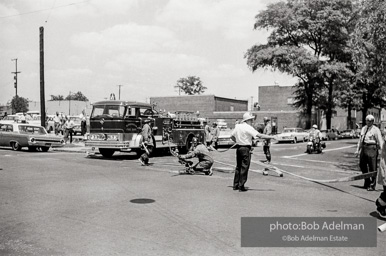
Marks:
<point>55,98</point>
<point>369,55</point>
<point>76,96</point>
<point>191,85</point>
<point>19,104</point>
<point>307,39</point>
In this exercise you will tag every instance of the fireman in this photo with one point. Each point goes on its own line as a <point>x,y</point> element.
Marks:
<point>147,142</point>
<point>205,161</point>
<point>267,142</point>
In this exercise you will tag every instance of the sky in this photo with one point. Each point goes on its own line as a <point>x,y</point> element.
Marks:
<point>93,46</point>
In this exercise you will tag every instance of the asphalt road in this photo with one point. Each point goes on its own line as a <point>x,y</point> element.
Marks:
<point>61,203</point>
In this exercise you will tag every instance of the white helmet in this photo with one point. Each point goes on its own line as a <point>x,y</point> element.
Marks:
<point>247,116</point>
<point>315,126</point>
<point>370,118</point>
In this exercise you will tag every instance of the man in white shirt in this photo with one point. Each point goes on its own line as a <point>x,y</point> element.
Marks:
<point>243,135</point>
<point>369,146</point>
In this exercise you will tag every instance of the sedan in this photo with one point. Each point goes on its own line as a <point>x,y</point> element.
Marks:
<point>347,134</point>
<point>292,135</point>
<point>19,135</point>
<point>224,139</point>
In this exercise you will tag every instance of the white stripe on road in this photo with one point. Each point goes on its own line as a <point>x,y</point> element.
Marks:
<point>326,150</point>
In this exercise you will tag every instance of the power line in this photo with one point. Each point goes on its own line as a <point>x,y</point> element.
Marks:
<point>42,10</point>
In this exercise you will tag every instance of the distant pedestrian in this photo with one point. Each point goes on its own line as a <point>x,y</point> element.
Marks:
<point>147,141</point>
<point>83,126</point>
<point>22,118</point>
<point>369,145</point>
<point>267,142</point>
<point>243,135</point>
<point>215,132</point>
<point>68,129</point>
<point>208,134</point>
<point>57,122</point>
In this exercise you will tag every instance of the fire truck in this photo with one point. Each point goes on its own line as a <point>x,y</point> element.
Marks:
<point>116,125</point>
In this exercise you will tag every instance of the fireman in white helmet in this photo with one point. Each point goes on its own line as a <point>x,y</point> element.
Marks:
<point>369,146</point>
<point>243,135</point>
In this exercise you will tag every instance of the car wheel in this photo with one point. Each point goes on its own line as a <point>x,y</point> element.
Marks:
<point>44,149</point>
<point>16,146</point>
<point>106,152</point>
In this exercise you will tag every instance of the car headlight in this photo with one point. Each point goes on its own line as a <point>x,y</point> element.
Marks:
<point>32,140</point>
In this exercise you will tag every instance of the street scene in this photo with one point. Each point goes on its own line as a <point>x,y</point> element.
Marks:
<point>179,127</point>
<point>64,202</point>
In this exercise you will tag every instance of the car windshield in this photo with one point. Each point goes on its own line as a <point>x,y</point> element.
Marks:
<point>289,130</point>
<point>32,129</point>
<point>108,110</point>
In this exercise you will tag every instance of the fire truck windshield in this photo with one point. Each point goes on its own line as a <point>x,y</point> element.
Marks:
<point>108,111</point>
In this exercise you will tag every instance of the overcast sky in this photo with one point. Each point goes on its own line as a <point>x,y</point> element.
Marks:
<point>145,45</point>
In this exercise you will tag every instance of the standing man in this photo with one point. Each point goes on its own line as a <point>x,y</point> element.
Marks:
<point>215,134</point>
<point>208,134</point>
<point>243,135</point>
<point>147,141</point>
<point>370,142</point>
<point>267,142</point>
<point>57,123</point>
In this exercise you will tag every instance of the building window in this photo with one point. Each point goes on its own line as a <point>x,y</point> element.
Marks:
<point>232,108</point>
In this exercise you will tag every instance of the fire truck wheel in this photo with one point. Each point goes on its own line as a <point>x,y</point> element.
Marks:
<point>106,152</point>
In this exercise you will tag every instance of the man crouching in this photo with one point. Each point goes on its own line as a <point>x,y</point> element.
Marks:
<point>205,161</point>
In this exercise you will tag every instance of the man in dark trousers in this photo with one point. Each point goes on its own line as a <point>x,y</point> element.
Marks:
<point>267,142</point>
<point>205,160</point>
<point>243,135</point>
<point>147,143</point>
<point>370,142</point>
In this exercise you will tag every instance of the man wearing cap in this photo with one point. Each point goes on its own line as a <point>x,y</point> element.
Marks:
<point>243,135</point>
<point>205,160</point>
<point>267,142</point>
<point>370,142</point>
<point>147,141</point>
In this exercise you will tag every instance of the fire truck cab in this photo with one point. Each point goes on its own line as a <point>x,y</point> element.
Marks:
<point>116,125</point>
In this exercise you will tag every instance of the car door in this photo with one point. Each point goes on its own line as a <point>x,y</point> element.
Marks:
<point>3,128</point>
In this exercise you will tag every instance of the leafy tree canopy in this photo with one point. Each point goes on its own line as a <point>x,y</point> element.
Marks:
<point>76,96</point>
<point>190,85</point>
<point>19,104</point>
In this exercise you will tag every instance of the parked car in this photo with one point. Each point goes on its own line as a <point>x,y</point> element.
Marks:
<point>221,124</point>
<point>330,134</point>
<point>50,124</point>
<point>10,119</point>
<point>292,135</point>
<point>19,135</point>
<point>225,138</point>
<point>347,134</point>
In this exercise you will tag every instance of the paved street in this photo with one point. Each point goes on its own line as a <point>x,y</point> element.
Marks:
<point>64,203</point>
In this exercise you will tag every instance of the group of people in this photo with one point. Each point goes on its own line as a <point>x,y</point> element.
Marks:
<point>370,146</point>
<point>64,124</point>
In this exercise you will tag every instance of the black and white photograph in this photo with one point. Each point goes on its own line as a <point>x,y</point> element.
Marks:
<point>192,127</point>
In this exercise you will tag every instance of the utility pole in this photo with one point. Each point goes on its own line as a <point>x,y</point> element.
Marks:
<point>69,104</point>
<point>15,77</point>
<point>42,97</point>
<point>119,95</point>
